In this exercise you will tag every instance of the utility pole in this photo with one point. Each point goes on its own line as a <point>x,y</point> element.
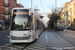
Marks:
<point>55,23</point>
<point>36,10</point>
<point>31,4</point>
<point>55,5</point>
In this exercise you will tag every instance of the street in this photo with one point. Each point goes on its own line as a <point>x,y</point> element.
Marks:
<point>21,22</point>
<point>4,39</point>
<point>57,40</point>
<point>68,35</point>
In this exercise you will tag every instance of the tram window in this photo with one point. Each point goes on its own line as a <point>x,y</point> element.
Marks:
<point>37,25</point>
<point>31,19</point>
<point>32,25</point>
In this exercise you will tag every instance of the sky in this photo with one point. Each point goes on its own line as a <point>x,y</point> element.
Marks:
<point>47,4</point>
<point>44,7</point>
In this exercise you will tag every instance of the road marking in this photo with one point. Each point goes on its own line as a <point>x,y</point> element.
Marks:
<point>70,35</point>
<point>47,40</point>
<point>63,47</point>
<point>57,36</point>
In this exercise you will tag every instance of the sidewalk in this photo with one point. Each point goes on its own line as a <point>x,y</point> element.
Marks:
<point>4,31</point>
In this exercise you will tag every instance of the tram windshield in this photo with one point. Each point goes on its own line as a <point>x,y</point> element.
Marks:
<point>20,20</point>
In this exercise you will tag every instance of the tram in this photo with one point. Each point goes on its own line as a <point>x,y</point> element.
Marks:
<point>26,25</point>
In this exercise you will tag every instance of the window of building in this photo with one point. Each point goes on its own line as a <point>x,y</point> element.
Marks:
<point>6,3</point>
<point>6,10</point>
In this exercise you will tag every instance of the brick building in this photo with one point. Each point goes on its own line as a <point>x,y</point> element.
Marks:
<point>5,11</point>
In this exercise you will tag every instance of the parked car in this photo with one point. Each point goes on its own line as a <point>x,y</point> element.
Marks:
<point>69,27</point>
<point>60,28</point>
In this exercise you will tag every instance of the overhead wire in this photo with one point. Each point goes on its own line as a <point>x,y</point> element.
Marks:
<point>33,3</point>
<point>42,5</point>
<point>49,6</point>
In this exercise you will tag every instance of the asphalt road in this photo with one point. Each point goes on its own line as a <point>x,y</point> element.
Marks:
<point>4,37</point>
<point>55,42</point>
<point>68,35</point>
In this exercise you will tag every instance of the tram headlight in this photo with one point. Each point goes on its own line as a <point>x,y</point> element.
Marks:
<point>29,36</point>
<point>29,32</point>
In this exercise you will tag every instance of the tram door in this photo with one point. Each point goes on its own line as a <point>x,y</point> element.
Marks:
<point>35,27</point>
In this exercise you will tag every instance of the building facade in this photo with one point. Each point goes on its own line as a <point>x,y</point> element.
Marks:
<point>68,13</point>
<point>5,11</point>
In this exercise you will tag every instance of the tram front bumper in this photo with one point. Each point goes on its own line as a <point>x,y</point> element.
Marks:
<point>20,41</point>
<point>14,39</point>
<point>20,38</point>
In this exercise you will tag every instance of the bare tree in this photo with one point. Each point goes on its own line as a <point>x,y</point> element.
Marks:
<point>54,16</point>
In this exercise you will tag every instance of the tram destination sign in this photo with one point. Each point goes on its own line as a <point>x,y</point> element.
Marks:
<point>17,13</point>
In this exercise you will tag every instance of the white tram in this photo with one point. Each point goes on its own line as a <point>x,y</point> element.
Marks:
<point>26,25</point>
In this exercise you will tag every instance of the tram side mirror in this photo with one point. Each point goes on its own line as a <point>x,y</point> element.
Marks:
<point>41,17</point>
<point>31,17</point>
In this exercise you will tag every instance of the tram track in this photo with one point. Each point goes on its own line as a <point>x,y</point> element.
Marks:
<point>19,44</point>
<point>26,46</point>
<point>15,46</point>
<point>47,41</point>
<point>56,36</point>
<point>35,40</point>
